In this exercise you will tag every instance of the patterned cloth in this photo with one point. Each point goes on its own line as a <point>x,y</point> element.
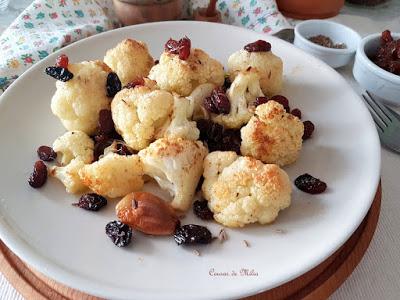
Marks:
<point>48,25</point>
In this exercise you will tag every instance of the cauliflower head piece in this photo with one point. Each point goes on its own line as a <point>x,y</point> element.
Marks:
<point>196,98</point>
<point>130,59</point>
<point>139,112</point>
<point>78,101</point>
<point>183,76</point>
<point>179,124</point>
<point>74,144</point>
<point>69,176</point>
<point>242,190</point>
<point>267,64</point>
<point>272,135</point>
<point>176,164</point>
<point>242,93</point>
<point>113,175</point>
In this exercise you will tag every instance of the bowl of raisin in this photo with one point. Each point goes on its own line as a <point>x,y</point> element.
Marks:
<point>377,66</point>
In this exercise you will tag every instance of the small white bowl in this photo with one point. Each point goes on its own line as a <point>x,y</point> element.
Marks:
<point>376,80</point>
<point>337,32</point>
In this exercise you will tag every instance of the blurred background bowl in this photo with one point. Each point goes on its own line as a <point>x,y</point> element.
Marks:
<point>381,83</point>
<point>338,33</point>
<point>131,12</point>
<point>310,9</point>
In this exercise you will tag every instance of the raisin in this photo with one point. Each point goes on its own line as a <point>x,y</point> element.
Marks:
<point>119,233</point>
<point>308,129</point>
<point>200,209</point>
<point>260,100</point>
<point>113,85</point>
<point>101,142</point>
<point>386,37</point>
<point>192,234</point>
<point>106,124</point>
<point>59,73</point>
<point>46,153</point>
<point>156,62</point>
<point>218,102</point>
<point>122,149</point>
<point>231,141</point>
<point>134,83</point>
<point>62,61</point>
<point>296,112</point>
<point>258,46</point>
<point>282,100</point>
<point>227,83</point>
<point>39,175</point>
<point>91,202</point>
<point>310,184</point>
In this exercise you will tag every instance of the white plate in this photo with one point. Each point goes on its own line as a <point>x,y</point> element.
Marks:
<point>69,244</point>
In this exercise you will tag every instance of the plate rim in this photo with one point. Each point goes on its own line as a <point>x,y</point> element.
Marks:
<point>51,269</point>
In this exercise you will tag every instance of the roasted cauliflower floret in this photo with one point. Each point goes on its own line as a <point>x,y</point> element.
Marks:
<point>69,176</point>
<point>139,112</point>
<point>176,164</point>
<point>183,76</point>
<point>242,93</point>
<point>242,190</point>
<point>196,99</point>
<point>272,135</point>
<point>179,124</point>
<point>78,101</point>
<point>113,175</point>
<point>130,59</point>
<point>74,144</point>
<point>267,64</point>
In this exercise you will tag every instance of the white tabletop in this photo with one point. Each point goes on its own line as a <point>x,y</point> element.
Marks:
<point>378,274</point>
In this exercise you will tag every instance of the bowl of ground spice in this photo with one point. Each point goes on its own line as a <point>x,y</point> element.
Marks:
<point>331,42</point>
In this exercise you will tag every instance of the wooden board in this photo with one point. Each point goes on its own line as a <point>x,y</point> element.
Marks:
<point>319,283</point>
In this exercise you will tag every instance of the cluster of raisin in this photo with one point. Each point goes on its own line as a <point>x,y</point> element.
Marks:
<point>217,138</point>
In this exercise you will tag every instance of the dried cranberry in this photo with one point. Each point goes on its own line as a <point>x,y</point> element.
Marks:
<point>91,202</point>
<point>59,73</point>
<point>106,124</point>
<point>386,37</point>
<point>308,129</point>
<point>310,184</point>
<point>258,46</point>
<point>181,47</point>
<point>260,100</point>
<point>172,46</point>
<point>134,83</point>
<point>113,85</point>
<point>39,175</point>
<point>184,48</point>
<point>200,209</point>
<point>192,234</point>
<point>119,233</point>
<point>282,100</point>
<point>218,102</point>
<point>46,153</point>
<point>296,112</point>
<point>62,61</point>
